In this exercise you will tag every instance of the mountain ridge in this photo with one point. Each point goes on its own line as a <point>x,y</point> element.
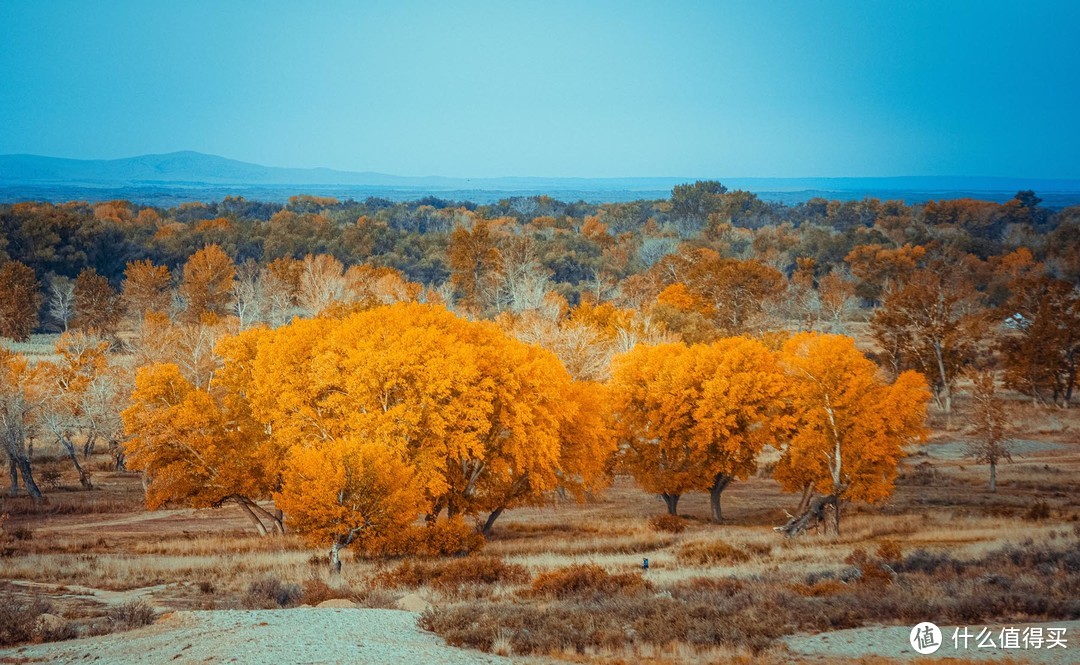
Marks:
<point>191,168</point>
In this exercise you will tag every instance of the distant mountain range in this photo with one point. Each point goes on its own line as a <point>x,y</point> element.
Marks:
<point>187,175</point>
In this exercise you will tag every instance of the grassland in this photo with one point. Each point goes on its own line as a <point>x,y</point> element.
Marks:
<point>564,580</point>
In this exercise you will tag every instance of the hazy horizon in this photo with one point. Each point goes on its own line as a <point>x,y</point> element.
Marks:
<point>562,89</point>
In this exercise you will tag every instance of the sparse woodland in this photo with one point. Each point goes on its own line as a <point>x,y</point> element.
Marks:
<point>389,380</point>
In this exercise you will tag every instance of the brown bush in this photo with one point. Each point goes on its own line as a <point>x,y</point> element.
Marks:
<point>584,580</point>
<point>889,551</point>
<point>453,575</point>
<point>130,615</point>
<point>667,524</point>
<point>442,538</point>
<point>270,593</point>
<point>820,588</point>
<point>19,617</point>
<point>1040,510</point>
<point>316,590</point>
<point>711,553</point>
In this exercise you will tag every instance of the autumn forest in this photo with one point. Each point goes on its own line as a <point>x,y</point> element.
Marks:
<point>391,380</point>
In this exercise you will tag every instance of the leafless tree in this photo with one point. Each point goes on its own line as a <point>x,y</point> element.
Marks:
<point>61,300</point>
<point>990,425</point>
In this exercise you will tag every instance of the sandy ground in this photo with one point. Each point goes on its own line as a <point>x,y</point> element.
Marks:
<point>892,641</point>
<point>258,637</point>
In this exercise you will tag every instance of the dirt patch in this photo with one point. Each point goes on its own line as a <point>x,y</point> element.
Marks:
<point>302,635</point>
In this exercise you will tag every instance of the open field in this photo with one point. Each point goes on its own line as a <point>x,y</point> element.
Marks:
<point>942,549</point>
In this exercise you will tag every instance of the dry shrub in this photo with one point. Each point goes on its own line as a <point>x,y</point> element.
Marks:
<point>19,617</point>
<point>270,593</point>
<point>441,538</point>
<point>711,553</point>
<point>316,590</point>
<point>585,580</point>
<point>454,575</point>
<point>820,588</point>
<point>130,615</point>
<point>375,597</point>
<point>752,613</point>
<point>667,524</point>
<point>1040,510</point>
<point>889,551</point>
<point>872,570</point>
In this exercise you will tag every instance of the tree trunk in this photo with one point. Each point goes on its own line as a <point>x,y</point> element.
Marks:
<point>993,476</point>
<point>813,516</point>
<point>277,526</point>
<point>720,483</point>
<point>486,531</point>
<point>13,471</point>
<point>672,501</point>
<point>836,517</point>
<point>88,447</point>
<point>335,558</point>
<point>84,477</point>
<point>28,480</point>
<point>804,502</point>
<point>252,517</point>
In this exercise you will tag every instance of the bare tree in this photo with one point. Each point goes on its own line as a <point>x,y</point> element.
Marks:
<point>654,248</point>
<point>990,424</point>
<point>249,298</point>
<point>322,283</point>
<point>61,300</point>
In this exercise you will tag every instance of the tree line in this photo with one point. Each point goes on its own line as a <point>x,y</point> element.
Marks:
<point>453,361</point>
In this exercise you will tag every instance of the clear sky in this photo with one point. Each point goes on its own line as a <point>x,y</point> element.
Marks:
<point>696,89</point>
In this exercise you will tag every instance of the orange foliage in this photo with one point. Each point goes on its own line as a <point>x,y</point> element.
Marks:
<point>850,427</point>
<point>208,277</point>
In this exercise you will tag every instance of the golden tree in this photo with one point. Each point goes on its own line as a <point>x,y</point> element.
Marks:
<point>348,492</point>
<point>475,263</point>
<point>207,284</point>
<point>850,427</point>
<point>696,417</point>
<point>20,402</point>
<point>201,447</point>
<point>146,288</point>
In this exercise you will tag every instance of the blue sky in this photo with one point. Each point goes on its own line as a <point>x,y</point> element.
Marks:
<point>695,89</point>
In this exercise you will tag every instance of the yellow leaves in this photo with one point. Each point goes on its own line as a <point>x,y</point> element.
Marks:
<point>190,444</point>
<point>478,419</point>
<point>348,491</point>
<point>208,277</point>
<point>842,407</point>
<point>688,413</point>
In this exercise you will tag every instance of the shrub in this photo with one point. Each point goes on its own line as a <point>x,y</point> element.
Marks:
<point>667,524</point>
<point>51,477</point>
<point>453,575</point>
<point>1040,510</point>
<point>133,614</point>
<point>270,592</point>
<point>19,617</point>
<point>711,553</point>
<point>451,538</point>
<point>585,580</point>
<point>820,588</point>
<point>889,551</point>
<point>316,590</point>
<point>442,538</point>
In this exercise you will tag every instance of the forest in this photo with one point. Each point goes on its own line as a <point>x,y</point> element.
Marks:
<point>390,379</point>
